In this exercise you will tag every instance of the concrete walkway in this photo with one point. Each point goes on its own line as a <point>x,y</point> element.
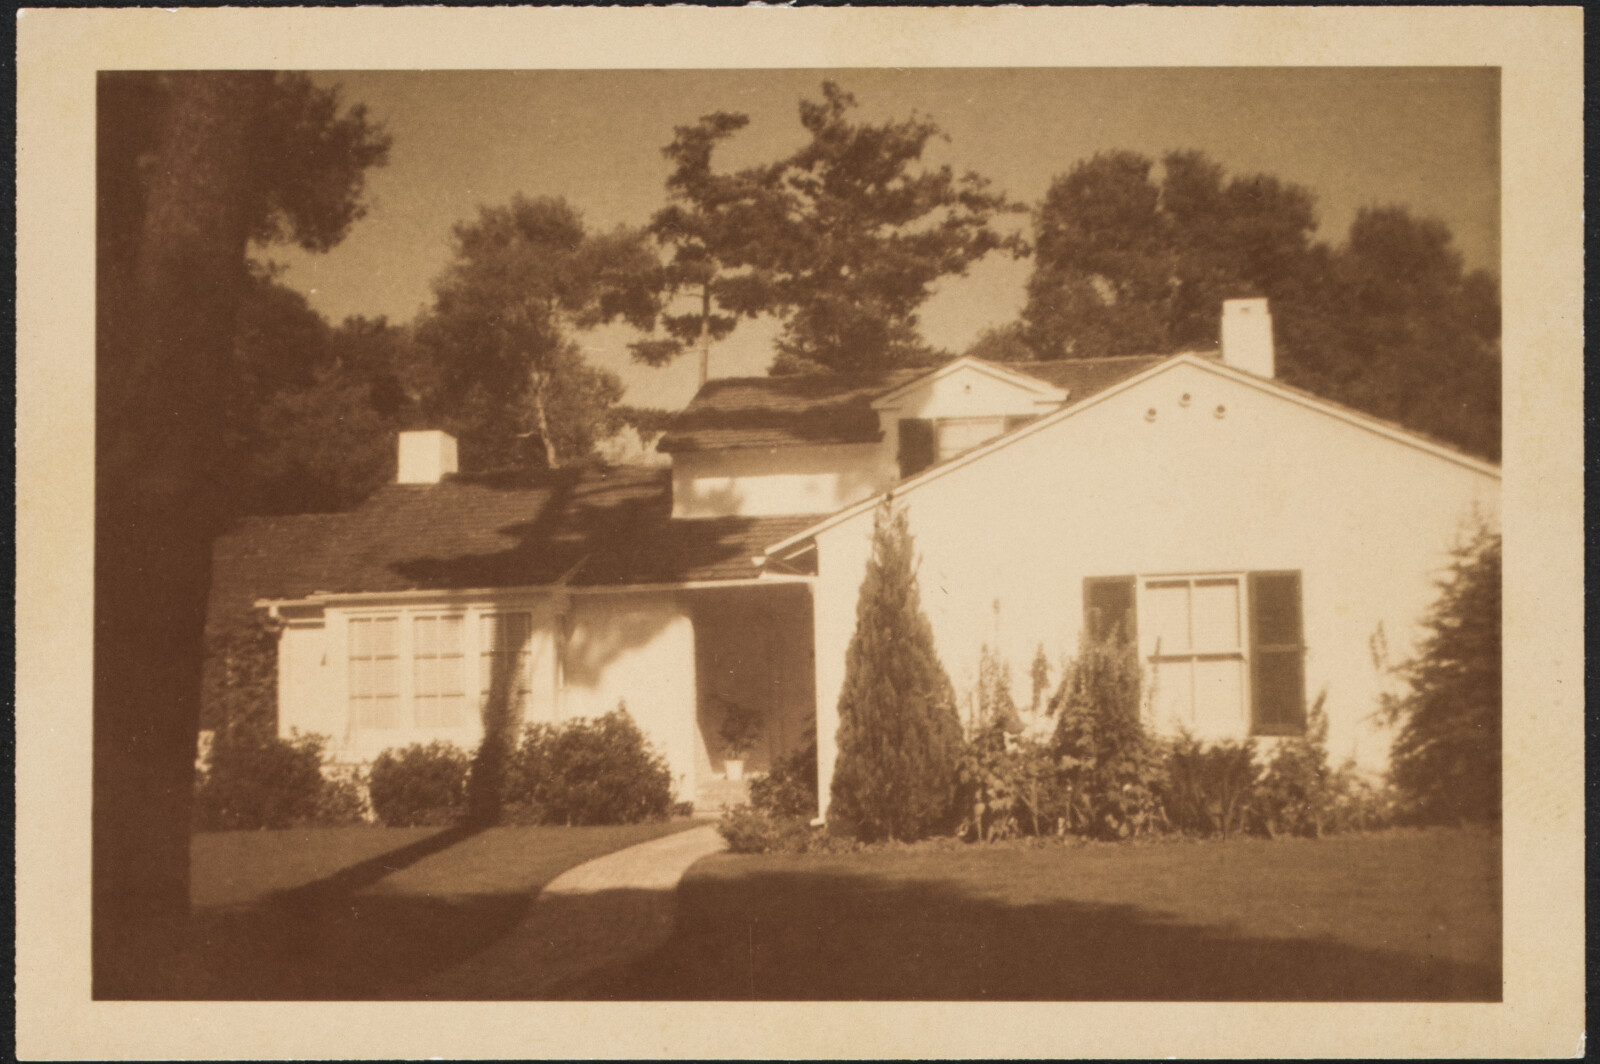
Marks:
<point>604,912</point>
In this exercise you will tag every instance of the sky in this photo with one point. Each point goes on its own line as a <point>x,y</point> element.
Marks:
<point>1427,138</point>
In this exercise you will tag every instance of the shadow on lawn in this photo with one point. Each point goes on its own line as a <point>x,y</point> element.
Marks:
<point>327,940</point>
<point>783,936</point>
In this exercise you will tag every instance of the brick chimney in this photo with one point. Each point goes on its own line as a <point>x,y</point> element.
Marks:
<point>426,457</point>
<point>1247,336</point>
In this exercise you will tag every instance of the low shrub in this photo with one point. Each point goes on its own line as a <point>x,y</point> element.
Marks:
<point>751,830</point>
<point>1007,786</point>
<point>1111,768</point>
<point>251,778</point>
<point>1209,789</point>
<point>1360,804</point>
<point>1297,790</point>
<point>420,785</point>
<point>582,771</point>
<point>790,789</point>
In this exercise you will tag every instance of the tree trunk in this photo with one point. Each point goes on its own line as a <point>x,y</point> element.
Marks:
<point>705,333</point>
<point>542,419</point>
<point>159,483</point>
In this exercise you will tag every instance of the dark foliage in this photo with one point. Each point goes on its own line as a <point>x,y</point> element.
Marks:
<point>253,779</point>
<point>419,785</point>
<point>1210,789</point>
<point>899,733</point>
<point>790,789</point>
<point>1446,756</point>
<point>600,771</point>
<point>1389,321</point>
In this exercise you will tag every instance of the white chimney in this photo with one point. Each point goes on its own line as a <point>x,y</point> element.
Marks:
<point>425,457</point>
<point>1247,336</point>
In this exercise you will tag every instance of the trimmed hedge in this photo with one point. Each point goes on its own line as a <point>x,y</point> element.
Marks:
<point>582,771</point>
<point>252,779</point>
<point>419,785</point>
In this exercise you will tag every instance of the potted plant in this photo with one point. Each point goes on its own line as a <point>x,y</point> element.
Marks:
<point>740,729</point>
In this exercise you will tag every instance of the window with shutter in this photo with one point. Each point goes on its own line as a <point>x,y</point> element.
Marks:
<point>1277,653</point>
<point>917,446</point>
<point>1226,652</point>
<point>1108,607</point>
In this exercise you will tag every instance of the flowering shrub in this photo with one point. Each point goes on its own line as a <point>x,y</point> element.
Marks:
<point>1210,789</point>
<point>1008,785</point>
<point>1111,769</point>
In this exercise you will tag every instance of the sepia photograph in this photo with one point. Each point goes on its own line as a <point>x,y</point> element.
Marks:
<point>843,532</point>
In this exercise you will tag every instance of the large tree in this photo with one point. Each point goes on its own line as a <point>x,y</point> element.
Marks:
<point>1129,262</point>
<point>509,374</point>
<point>842,240</point>
<point>710,227</point>
<point>193,168</point>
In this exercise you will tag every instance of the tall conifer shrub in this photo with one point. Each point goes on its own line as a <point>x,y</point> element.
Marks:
<point>899,731</point>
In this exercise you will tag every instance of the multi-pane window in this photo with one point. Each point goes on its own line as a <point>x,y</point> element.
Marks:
<point>503,653</point>
<point>375,671</point>
<point>439,681</point>
<point>1225,651</point>
<point>1197,656</point>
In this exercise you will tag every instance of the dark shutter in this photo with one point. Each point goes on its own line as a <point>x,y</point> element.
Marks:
<point>1016,421</point>
<point>917,447</point>
<point>1277,655</point>
<point>1108,607</point>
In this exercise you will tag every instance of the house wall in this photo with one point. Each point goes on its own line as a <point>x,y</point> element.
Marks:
<point>633,647</point>
<point>778,480</point>
<point>964,393</point>
<point>1007,540</point>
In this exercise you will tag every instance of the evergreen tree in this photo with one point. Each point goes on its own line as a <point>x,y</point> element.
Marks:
<point>1446,755</point>
<point>899,731</point>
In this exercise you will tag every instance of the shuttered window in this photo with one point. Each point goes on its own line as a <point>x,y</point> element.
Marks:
<point>439,680</point>
<point>1277,654</point>
<point>917,448</point>
<point>1226,652</point>
<point>1108,607</point>
<point>375,671</point>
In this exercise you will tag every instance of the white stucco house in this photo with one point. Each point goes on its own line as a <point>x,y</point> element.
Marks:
<point>1253,537</point>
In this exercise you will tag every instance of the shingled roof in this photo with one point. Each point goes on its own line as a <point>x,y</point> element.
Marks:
<point>489,532</point>
<point>758,412</point>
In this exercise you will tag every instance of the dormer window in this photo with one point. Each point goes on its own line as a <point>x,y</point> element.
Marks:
<point>924,441</point>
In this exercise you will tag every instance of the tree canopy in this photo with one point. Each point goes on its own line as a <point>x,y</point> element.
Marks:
<point>1389,321</point>
<point>842,240</point>
<point>508,374</point>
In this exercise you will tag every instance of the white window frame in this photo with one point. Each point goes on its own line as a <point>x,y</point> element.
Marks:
<point>405,617</point>
<point>1238,651</point>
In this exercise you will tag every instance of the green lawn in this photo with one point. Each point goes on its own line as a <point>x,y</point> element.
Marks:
<point>349,913</point>
<point>1395,916</point>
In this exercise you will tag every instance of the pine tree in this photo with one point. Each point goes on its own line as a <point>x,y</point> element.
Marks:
<point>899,731</point>
<point>1446,756</point>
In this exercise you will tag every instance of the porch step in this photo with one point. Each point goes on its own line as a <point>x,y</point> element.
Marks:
<point>716,794</point>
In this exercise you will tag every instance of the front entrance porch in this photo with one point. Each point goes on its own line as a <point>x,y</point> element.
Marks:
<point>753,651</point>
